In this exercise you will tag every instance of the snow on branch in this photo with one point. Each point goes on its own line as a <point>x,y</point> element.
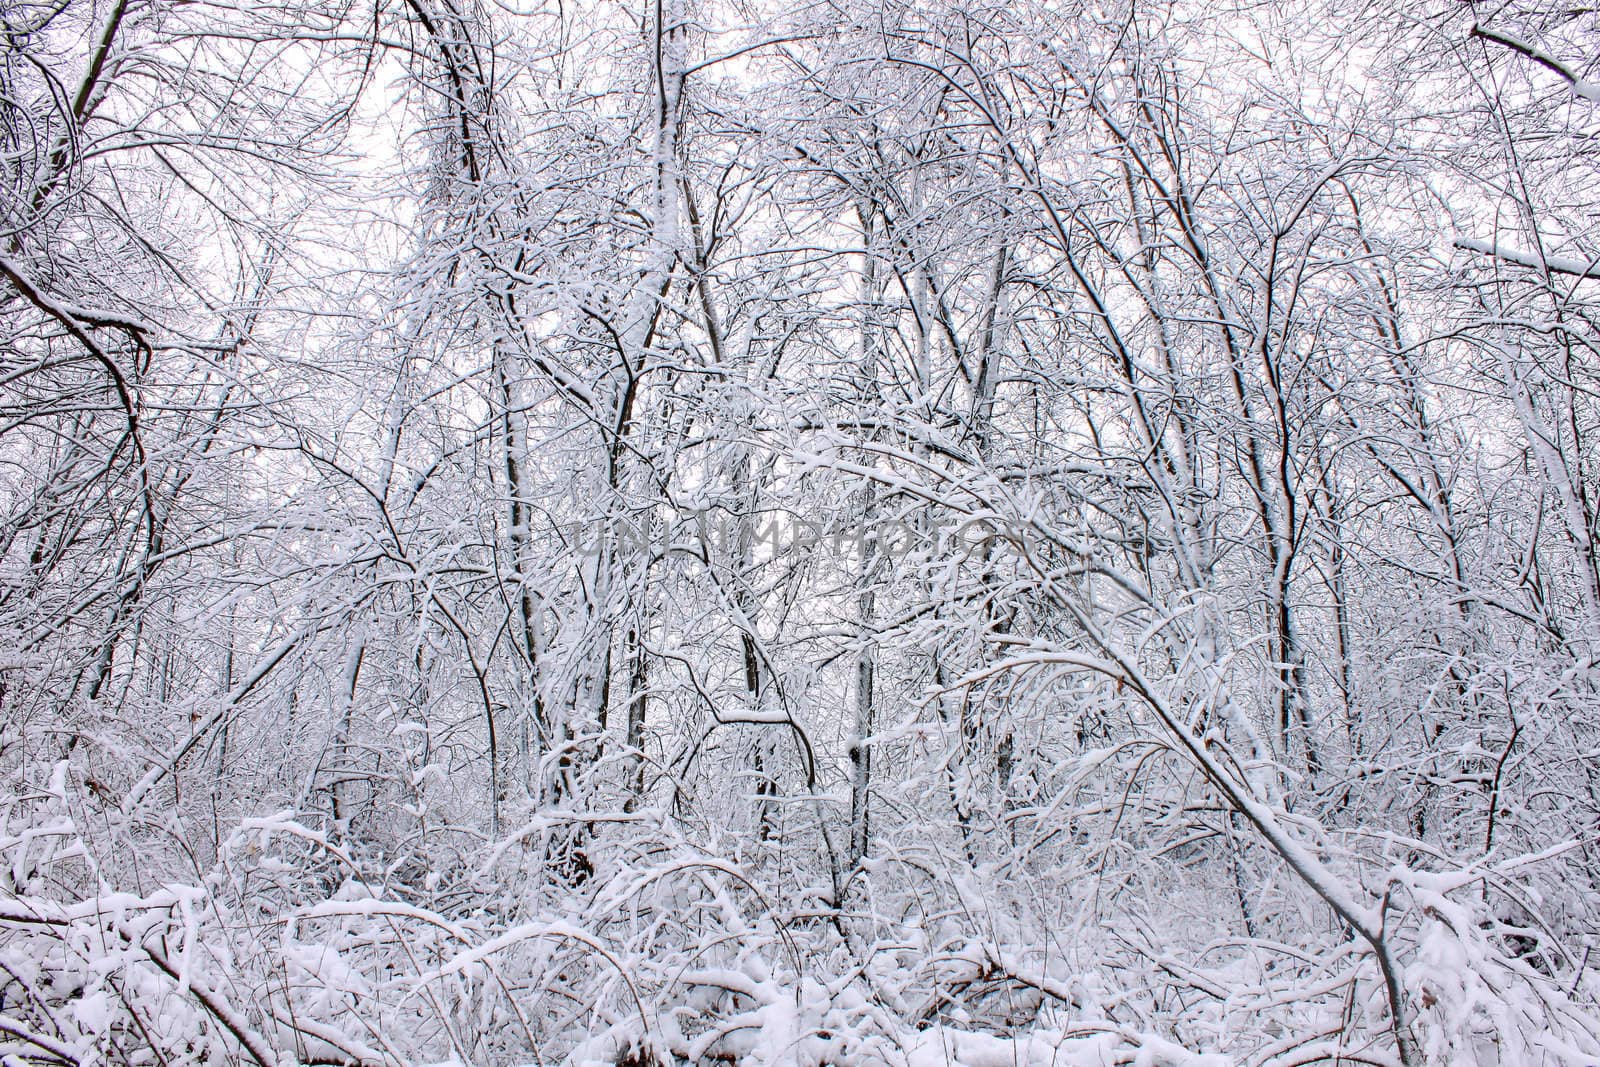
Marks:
<point>1590,91</point>
<point>1555,264</point>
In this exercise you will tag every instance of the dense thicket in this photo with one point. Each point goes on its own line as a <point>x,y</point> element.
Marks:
<point>845,533</point>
